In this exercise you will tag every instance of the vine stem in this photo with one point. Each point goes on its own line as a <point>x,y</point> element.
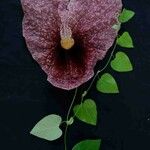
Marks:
<point>68,114</point>
<point>99,71</point>
<point>85,93</point>
<point>93,80</point>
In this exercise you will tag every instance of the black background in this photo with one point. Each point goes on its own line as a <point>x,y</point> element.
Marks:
<point>26,96</point>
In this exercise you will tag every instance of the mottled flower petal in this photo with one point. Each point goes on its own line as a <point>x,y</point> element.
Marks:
<point>89,23</point>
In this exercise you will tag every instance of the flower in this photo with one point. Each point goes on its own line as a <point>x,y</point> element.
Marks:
<point>67,38</point>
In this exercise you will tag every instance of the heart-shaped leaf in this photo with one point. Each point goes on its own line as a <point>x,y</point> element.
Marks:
<point>107,84</point>
<point>125,40</point>
<point>48,128</point>
<point>86,112</point>
<point>126,15</point>
<point>121,63</point>
<point>88,145</point>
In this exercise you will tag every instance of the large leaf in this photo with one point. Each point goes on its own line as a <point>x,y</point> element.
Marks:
<point>121,63</point>
<point>86,112</point>
<point>126,15</point>
<point>48,128</point>
<point>107,84</point>
<point>88,145</point>
<point>125,40</point>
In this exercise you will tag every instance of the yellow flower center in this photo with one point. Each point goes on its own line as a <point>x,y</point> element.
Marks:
<point>67,43</point>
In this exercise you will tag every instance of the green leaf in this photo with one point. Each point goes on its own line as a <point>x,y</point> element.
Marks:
<point>121,63</point>
<point>107,84</point>
<point>86,112</point>
<point>126,15</point>
<point>88,145</point>
<point>48,128</point>
<point>125,40</point>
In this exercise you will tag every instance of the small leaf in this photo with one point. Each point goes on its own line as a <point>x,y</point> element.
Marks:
<point>121,63</point>
<point>84,94</point>
<point>48,128</point>
<point>107,84</point>
<point>88,145</point>
<point>126,15</point>
<point>125,40</point>
<point>116,26</point>
<point>70,121</point>
<point>86,112</point>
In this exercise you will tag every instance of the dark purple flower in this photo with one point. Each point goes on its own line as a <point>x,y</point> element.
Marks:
<point>67,38</point>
